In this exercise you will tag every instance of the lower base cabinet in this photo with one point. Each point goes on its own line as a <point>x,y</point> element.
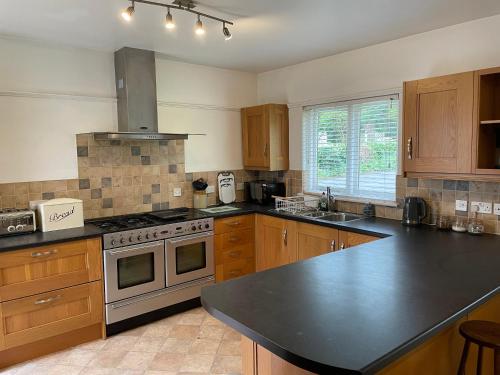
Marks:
<point>314,240</point>
<point>350,239</point>
<point>51,298</point>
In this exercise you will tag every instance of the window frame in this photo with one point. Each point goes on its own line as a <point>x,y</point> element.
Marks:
<point>360,97</point>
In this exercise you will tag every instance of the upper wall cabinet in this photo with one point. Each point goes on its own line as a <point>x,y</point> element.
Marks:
<point>438,124</point>
<point>486,156</point>
<point>265,137</point>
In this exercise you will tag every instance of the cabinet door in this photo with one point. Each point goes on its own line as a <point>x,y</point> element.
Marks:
<point>255,137</point>
<point>278,137</point>
<point>350,239</point>
<point>41,269</point>
<point>314,240</point>
<point>438,124</point>
<point>33,318</point>
<point>276,242</point>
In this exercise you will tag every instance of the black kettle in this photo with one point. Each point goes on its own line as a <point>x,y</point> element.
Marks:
<point>414,211</point>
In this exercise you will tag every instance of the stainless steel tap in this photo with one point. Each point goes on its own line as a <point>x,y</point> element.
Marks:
<point>330,199</point>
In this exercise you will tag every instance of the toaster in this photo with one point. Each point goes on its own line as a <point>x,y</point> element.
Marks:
<point>16,221</point>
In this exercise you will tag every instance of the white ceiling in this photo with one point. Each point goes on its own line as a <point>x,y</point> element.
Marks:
<point>267,33</point>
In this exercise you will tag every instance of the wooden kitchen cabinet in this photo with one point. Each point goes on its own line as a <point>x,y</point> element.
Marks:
<point>234,247</point>
<point>51,299</point>
<point>438,124</point>
<point>40,269</point>
<point>276,242</point>
<point>314,240</point>
<point>350,239</point>
<point>37,317</point>
<point>265,137</point>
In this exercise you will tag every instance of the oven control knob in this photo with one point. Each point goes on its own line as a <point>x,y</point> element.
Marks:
<point>130,239</point>
<point>19,227</point>
<point>139,238</point>
<point>122,240</point>
<point>113,242</point>
<point>155,234</point>
<point>207,226</point>
<point>193,228</point>
<point>147,236</point>
<point>11,228</point>
<point>200,227</point>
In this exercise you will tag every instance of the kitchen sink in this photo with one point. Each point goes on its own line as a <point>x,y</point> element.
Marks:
<point>339,216</point>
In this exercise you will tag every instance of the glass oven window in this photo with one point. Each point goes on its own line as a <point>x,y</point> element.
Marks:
<point>190,257</point>
<point>136,270</point>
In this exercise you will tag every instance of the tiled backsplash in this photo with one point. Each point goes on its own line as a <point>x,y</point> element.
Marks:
<point>122,177</point>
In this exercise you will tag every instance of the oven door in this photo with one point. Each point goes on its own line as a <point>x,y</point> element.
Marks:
<point>189,258</point>
<point>134,270</point>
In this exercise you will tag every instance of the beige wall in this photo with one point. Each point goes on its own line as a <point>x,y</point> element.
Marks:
<point>385,66</point>
<point>49,93</point>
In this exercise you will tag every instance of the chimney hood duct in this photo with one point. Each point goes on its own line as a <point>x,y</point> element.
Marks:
<point>135,72</point>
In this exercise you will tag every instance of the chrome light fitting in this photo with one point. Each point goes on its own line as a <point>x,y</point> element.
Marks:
<point>184,5</point>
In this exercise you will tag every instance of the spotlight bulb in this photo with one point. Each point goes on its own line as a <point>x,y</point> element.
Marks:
<point>169,21</point>
<point>199,27</point>
<point>226,32</point>
<point>128,13</point>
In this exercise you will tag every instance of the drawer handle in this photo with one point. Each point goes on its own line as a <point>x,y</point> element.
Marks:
<point>342,246</point>
<point>44,253</point>
<point>47,300</point>
<point>234,223</point>
<point>234,273</point>
<point>332,245</point>
<point>234,239</point>
<point>410,148</point>
<point>235,254</point>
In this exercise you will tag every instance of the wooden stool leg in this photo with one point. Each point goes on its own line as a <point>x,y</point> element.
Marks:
<point>497,362</point>
<point>479,360</point>
<point>465,352</point>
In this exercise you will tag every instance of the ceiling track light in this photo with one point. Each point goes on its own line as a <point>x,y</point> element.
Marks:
<point>169,21</point>
<point>184,5</point>
<point>226,32</point>
<point>199,30</point>
<point>128,13</point>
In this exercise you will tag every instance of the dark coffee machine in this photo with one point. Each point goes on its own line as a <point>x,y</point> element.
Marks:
<point>414,211</point>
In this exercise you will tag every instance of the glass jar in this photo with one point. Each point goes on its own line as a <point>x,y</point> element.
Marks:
<point>443,223</point>
<point>460,224</point>
<point>475,226</point>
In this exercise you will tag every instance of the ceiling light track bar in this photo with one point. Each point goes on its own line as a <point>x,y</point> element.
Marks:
<point>178,7</point>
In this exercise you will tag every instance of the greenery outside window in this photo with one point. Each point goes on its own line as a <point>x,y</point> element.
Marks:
<point>352,146</point>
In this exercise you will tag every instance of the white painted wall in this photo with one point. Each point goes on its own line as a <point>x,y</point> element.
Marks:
<point>458,48</point>
<point>48,94</point>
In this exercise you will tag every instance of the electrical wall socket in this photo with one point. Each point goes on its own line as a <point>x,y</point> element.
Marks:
<point>496,209</point>
<point>210,189</point>
<point>177,192</point>
<point>483,207</point>
<point>461,205</point>
<point>240,186</point>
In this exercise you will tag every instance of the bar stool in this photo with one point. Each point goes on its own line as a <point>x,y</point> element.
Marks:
<point>483,334</point>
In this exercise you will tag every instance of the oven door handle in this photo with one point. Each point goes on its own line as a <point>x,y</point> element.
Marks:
<point>139,247</point>
<point>190,237</point>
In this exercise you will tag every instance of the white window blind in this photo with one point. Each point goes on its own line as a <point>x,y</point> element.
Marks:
<point>352,146</point>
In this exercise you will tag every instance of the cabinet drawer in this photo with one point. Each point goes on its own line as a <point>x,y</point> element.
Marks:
<point>230,224</point>
<point>45,268</point>
<point>238,268</point>
<point>235,253</point>
<point>33,318</point>
<point>231,240</point>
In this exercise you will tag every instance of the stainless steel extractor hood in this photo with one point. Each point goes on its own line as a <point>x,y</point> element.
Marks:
<point>135,73</point>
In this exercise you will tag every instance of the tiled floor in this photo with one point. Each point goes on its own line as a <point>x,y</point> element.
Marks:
<point>189,343</point>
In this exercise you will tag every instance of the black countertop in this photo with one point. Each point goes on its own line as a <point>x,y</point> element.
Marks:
<point>355,311</point>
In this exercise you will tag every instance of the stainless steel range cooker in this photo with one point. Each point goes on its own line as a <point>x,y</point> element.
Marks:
<point>156,260</point>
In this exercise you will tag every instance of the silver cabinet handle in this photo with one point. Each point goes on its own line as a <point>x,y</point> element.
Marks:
<point>285,236</point>
<point>342,246</point>
<point>44,253</point>
<point>234,223</point>
<point>47,300</point>
<point>332,245</point>
<point>410,148</point>
<point>234,254</point>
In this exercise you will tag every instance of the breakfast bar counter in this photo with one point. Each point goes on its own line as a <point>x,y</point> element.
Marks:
<point>362,310</point>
